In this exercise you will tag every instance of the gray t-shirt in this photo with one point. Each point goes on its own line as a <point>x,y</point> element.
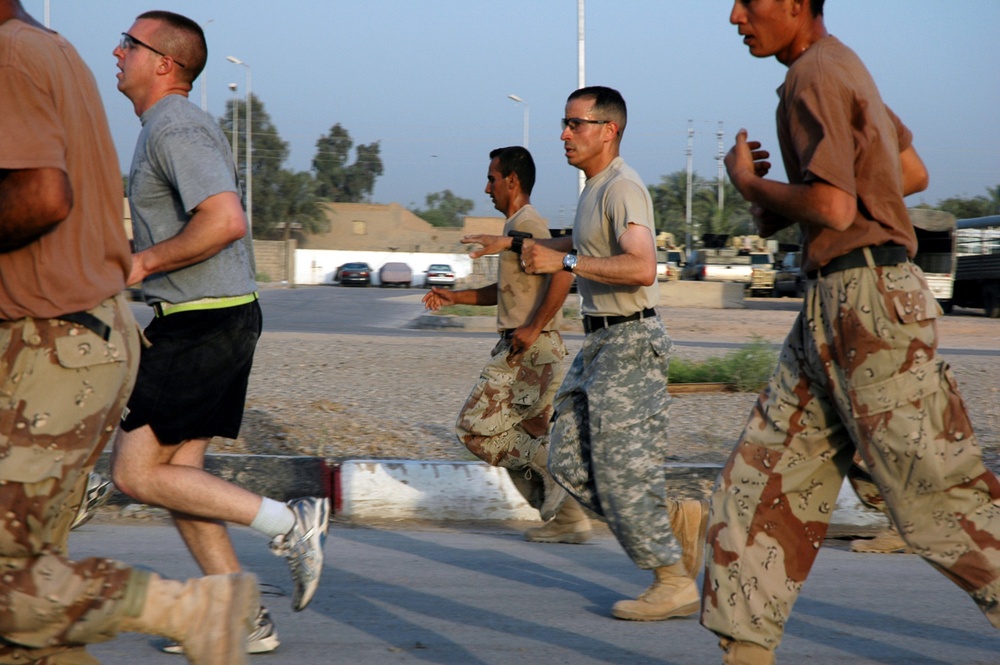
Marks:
<point>610,201</point>
<point>182,158</point>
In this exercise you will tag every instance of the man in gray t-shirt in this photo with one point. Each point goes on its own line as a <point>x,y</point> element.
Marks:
<point>193,258</point>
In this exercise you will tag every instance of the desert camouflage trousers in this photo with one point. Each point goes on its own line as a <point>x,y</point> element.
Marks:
<point>858,372</point>
<point>62,391</point>
<point>609,439</point>
<point>506,417</point>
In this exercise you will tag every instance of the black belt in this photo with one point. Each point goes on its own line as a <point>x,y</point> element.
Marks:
<point>508,333</point>
<point>89,321</point>
<point>882,255</point>
<point>592,323</point>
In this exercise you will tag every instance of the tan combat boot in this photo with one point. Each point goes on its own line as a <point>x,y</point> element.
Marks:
<point>555,495</point>
<point>673,594</point>
<point>886,541</point>
<point>745,653</point>
<point>689,520</point>
<point>209,616</point>
<point>570,525</point>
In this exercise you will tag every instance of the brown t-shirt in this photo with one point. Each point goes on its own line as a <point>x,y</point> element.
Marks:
<point>833,126</point>
<point>519,294</point>
<point>53,118</point>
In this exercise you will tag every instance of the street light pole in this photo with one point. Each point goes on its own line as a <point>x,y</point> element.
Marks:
<point>249,148</point>
<point>236,127</point>
<point>521,101</point>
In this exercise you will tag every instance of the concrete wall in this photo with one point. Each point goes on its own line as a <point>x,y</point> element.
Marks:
<point>272,259</point>
<point>707,295</point>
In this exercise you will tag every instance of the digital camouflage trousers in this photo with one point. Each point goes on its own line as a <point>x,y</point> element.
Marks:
<point>609,439</point>
<point>62,391</point>
<point>859,371</point>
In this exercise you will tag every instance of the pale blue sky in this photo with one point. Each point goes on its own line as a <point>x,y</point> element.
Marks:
<point>430,79</point>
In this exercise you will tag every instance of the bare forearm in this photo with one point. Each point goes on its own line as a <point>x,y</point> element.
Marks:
<point>621,270</point>
<point>554,299</point>
<point>32,203</point>
<point>815,204</point>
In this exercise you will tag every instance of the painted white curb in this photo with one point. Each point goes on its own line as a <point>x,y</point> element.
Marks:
<point>474,491</point>
<point>380,489</point>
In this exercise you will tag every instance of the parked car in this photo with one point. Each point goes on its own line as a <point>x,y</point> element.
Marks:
<point>789,280</point>
<point>354,273</point>
<point>395,273</point>
<point>439,274</point>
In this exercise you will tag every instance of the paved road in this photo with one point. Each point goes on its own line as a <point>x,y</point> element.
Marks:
<point>477,595</point>
<point>376,311</point>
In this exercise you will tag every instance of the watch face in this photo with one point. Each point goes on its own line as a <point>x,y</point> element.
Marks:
<point>569,262</point>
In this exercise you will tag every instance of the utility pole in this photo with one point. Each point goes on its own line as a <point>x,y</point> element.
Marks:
<point>687,214</point>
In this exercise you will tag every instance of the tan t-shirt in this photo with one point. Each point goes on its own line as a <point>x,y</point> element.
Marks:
<point>834,126</point>
<point>519,295</point>
<point>53,118</point>
<point>610,201</point>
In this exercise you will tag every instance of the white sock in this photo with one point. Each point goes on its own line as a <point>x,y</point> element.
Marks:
<point>273,519</point>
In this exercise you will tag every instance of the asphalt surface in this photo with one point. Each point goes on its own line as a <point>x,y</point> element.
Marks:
<point>478,595</point>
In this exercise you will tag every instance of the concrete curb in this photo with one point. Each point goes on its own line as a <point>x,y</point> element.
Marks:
<point>365,490</point>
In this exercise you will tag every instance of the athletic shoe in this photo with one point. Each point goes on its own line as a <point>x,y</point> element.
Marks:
<point>302,547</point>
<point>98,492</point>
<point>262,639</point>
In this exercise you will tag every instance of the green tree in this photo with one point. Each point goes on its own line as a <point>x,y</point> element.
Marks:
<point>965,208</point>
<point>338,181</point>
<point>297,206</point>
<point>445,209</point>
<point>670,207</point>
<point>272,184</point>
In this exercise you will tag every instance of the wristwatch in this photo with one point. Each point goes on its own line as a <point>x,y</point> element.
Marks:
<point>569,262</point>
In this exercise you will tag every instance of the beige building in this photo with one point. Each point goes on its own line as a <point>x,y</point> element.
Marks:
<point>377,227</point>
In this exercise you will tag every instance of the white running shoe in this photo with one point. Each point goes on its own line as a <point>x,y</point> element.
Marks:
<point>302,547</point>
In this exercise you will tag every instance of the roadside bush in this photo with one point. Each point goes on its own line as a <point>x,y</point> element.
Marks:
<point>748,368</point>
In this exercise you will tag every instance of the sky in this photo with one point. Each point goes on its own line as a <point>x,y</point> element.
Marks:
<point>429,80</point>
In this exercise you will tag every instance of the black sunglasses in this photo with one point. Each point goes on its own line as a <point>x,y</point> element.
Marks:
<point>573,124</point>
<point>130,42</point>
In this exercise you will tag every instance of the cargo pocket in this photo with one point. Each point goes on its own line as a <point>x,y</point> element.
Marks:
<point>527,388</point>
<point>898,391</point>
<point>638,392</point>
<point>911,299</point>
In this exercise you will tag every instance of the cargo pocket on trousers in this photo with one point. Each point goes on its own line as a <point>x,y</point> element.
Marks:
<point>527,388</point>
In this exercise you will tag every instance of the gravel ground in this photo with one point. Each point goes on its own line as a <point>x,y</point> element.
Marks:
<point>357,397</point>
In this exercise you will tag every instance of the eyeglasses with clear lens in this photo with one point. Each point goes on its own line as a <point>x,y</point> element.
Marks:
<point>573,124</point>
<point>129,42</point>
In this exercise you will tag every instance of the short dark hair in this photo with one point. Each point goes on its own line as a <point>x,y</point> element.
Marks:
<point>816,6</point>
<point>184,42</point>
<point>607,101</point>
<point>516,159</point>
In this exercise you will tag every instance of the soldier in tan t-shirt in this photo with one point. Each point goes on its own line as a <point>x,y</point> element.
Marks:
<point>505,420</point>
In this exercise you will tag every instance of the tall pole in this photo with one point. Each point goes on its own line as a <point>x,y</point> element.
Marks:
<point>581,69</point>
<point>687,214</point>
<point>249,148</point>
<point>46,14</point>
<point>521,101</point>
<point>721,157</point>
<point>236,127</point>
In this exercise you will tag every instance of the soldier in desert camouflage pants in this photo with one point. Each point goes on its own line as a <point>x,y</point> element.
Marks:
<point>62,391</point>
<point>609,440</point>
<point>859,370</point>
<point>512,400</point>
